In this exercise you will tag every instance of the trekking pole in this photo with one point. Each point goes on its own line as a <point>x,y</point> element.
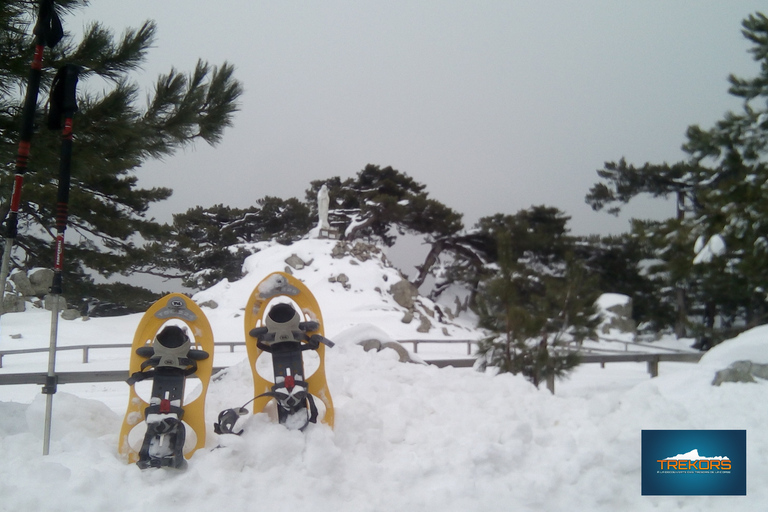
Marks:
<point>63,106</point>
<point>48,32</point>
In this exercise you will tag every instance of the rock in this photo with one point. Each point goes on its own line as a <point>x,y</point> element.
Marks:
<point>49,302</point>
<point>295,262</point>
<point>23,285</point>
<point>341,279</point>
<point>373,344</point>
<point>209,304</point>
<point>70,314</point>
<point>41,280</point>
<point>407,317</point>
<point>359,251</point>
<point>741,371</point>
<point>369,345</point>
<point>338,251</point>
<point>404,293</point>
<point>402,352</point>
<point>617,316</point>
<point>425,324</point>
<point>14,304</point>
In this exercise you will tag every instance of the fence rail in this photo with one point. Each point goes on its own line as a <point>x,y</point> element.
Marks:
<point>86,349</point>
<point>587,352</point>
<point>588,356</point>
<point>652,360</point>
<point>70,377</point>
<point>416,343</point>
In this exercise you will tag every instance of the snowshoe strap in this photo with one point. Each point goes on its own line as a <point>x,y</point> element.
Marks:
<point>312,409</point>
<point>308,398</point>
<point>227,420</point>
<point>167,425</point>
<point>191,368</point>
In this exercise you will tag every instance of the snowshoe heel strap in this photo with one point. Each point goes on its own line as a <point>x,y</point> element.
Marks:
<point>227,420</point>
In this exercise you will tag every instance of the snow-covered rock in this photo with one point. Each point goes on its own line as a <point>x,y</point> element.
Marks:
<point>615,312</point>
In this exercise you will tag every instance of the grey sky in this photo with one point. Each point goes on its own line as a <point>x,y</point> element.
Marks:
<point>494,105</point>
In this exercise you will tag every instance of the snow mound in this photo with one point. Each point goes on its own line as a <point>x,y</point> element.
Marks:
<point>751,345</point>
<point>351,283</point>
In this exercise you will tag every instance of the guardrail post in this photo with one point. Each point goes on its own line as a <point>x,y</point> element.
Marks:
<point>551,383</point>
<point>1,360</point>
<point>85,354</point>
<point>415,347</point>
<point>653,367</point>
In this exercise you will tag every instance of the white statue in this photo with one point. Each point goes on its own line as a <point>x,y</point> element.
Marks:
<point>323,200</point>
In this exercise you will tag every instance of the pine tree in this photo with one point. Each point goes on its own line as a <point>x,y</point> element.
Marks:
<point>721,195</point>
<point>540,297</point>
<point>114,135</point>
<point>206,245</point>
<point>378,201</point>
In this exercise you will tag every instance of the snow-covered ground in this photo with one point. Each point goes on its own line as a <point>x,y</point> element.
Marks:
<point>407,436</point>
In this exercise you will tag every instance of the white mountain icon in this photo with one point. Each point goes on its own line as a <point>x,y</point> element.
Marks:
<point>694,455</point>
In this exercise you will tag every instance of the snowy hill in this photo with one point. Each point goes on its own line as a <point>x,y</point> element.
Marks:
<point>354,287</point>
<point>406,436</point>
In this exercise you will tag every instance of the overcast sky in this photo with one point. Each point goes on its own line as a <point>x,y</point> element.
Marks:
<point>493,105</point>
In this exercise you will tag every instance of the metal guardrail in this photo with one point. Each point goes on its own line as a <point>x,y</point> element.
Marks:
<point>416,343</point>
<point>231,344</point>
<point>87,349</point>
<point>652,360</point>
<point>590,357</point>
<point>586,351</point>
<point>70,377</point>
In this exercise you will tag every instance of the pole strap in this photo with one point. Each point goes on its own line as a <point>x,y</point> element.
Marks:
<point>48,28</point>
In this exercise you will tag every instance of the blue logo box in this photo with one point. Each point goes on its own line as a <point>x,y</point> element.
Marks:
<point>694,462</point>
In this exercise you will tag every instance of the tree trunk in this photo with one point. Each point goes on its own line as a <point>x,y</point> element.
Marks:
<point>682,314</point>
<point>429,261</point>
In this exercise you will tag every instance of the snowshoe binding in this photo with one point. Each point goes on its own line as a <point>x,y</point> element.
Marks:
<point>285,333</point>
<point>167,359</point>
<point>284,336</point>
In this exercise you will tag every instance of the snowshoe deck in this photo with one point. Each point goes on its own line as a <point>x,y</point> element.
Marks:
<point>167,355</point>
<point>286,337</point>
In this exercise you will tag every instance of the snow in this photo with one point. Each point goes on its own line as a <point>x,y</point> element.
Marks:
<point>406,436</point>
<point>609,300</point>
<point>715,246</point>
<point>751,345</point>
